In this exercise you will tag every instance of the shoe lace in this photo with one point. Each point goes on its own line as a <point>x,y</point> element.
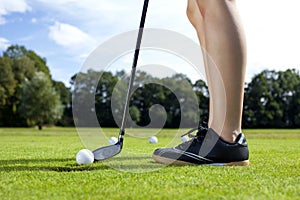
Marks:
<point>198,137</point>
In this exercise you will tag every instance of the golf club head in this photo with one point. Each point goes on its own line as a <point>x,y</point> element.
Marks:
<point>107,152</point>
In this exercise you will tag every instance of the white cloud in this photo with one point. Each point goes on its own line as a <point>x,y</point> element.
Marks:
<point>109,17</point>
<point>4,43</point>
<point>10,6</point>
<point>69,36</point>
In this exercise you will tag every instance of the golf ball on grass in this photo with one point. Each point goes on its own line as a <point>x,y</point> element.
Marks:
<point>153,140</point>
<point>113,140</point>
<point>84,156</point>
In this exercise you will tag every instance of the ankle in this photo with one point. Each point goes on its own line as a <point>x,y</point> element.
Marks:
<point>229,135</point>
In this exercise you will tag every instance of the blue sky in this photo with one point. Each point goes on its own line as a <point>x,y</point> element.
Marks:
<point>66,31</point>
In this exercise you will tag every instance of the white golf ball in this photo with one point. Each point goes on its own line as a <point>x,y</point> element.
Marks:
<point>113,140</point>
<point>153,140</point>
<point>185,138</point>
<point>84,156</point>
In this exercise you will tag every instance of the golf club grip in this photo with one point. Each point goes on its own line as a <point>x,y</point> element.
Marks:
<point>133,70</point>
<point>140,34</point>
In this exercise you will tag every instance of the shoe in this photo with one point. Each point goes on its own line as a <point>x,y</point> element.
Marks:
<point>206,148</point>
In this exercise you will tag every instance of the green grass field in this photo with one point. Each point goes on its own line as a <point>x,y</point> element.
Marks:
<point>41,165</point>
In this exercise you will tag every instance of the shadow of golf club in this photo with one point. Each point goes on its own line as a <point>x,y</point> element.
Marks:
<point>24,165</point>
<point>128,164</point>
<point>26,161</point>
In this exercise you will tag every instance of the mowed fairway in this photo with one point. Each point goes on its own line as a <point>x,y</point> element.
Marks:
<point>41,165</point>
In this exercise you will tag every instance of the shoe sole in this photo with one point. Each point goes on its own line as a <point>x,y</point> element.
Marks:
<point>168,161</point>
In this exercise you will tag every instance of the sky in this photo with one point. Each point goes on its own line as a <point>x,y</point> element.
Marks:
<point>65,32</point>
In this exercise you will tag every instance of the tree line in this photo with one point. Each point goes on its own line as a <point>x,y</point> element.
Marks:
<point>30,97</point>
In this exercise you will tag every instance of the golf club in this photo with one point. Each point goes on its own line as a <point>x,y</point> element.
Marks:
<point>112,150</point>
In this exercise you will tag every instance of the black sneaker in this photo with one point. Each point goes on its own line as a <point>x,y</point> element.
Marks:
<point>206,148</point>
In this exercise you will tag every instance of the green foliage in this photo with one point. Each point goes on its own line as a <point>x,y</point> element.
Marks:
<point>295,106</point>
<point>98,86</point>
<point>271,100</point>
<point>40,103</point>
<point>7,82</point>
<point>104,90</point>
<point>202,93</point>
<point>18,67</point>
<point>23,68</point>
<point>148,91</point>
<point>16,53</point>
<point>66,101</point>
<point>135,114</point>
<point>63,91</point>
<point>170,93</point>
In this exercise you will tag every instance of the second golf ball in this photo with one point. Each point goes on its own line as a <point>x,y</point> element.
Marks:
<point>153,140</point>
<point>113,140</point>
<point>185,138</point>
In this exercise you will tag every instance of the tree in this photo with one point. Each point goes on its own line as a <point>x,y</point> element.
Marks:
<point>90,86</point>
<point>171,93</point>
<point>16,52</point>
<point>148,92</point>
<point>202,93</point>
<point>295,108</point>
<point>135,114</point>
<point>271,99</point>
<point>289,81</point>
<point>17,64</point>
<point>40,103</point>
<point>104,91</point>
<point>7,87</point>
<point>66,101</point>
<point>7,82</point>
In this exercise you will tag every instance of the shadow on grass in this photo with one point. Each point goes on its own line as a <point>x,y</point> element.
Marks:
<point>27,161</point>
<point>128,164</point>
<point>135,164</point>
<point>129,158</point>
<point>57,165</point>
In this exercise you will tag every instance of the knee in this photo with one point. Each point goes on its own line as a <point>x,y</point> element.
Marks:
<point>190,9</point>
<point>194,12</point>
<point>190,13</point>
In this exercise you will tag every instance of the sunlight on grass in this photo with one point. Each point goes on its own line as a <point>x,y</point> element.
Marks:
<point>41,165</point>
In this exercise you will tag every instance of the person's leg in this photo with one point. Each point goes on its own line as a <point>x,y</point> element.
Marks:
<point>195,16</point>
<point>221,34</point>
<point>222,38</point>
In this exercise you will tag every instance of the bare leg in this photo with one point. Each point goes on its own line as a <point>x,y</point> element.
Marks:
<point>220,32</point>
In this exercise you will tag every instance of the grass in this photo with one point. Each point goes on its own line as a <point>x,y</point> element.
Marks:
<point>41,165</point>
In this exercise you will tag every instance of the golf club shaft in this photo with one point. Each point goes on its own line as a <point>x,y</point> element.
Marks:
<point>133,70</point>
